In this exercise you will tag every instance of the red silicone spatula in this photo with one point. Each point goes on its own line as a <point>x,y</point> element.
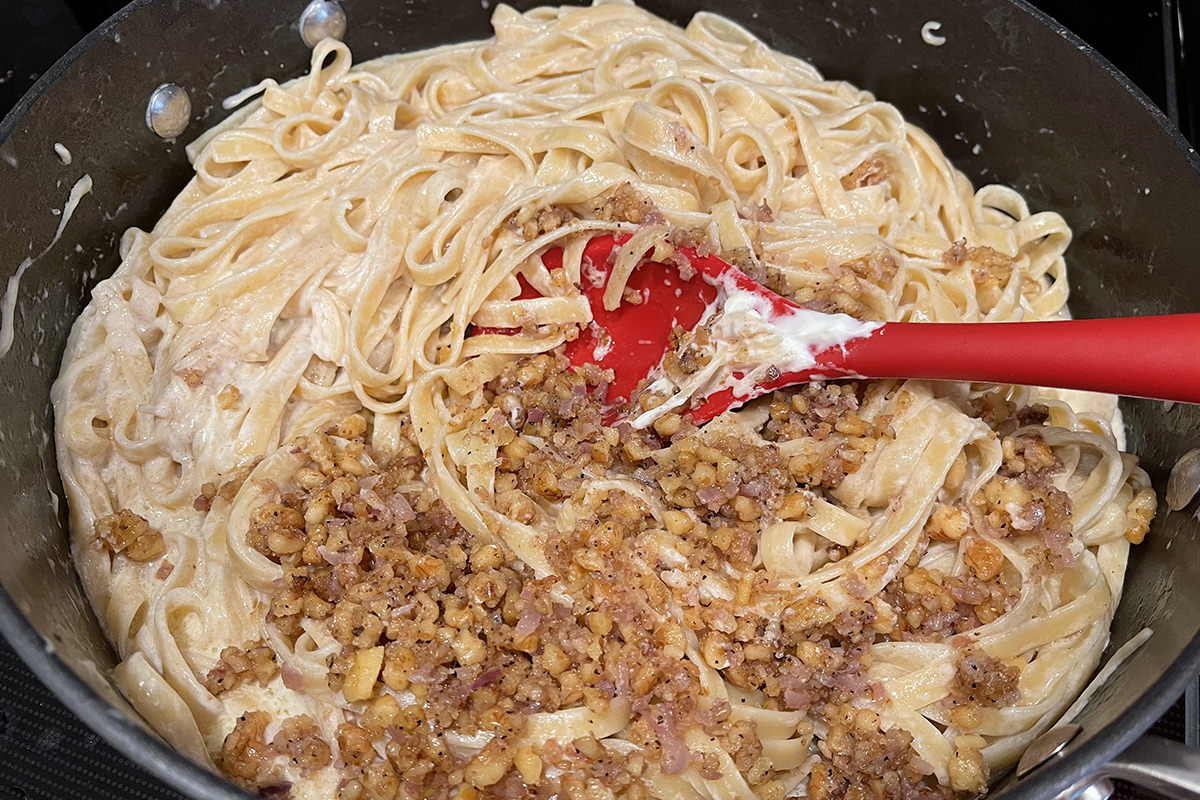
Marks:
<point>1151,356</point>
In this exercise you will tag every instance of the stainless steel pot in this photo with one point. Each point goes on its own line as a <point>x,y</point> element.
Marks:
<point>1010,95</point>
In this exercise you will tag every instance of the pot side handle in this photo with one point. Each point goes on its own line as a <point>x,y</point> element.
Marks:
<point>1158,764</point>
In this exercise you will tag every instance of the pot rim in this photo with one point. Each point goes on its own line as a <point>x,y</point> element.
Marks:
<point>131,740</point>
<point>153,754</point>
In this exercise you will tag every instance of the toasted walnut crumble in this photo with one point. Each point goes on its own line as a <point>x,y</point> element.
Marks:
<point>625,204</point>
<point>254,661</point>
<point>1022,499</point>
<point>534,222</point>
<point>847,288</point>
<point>445,635</point>
<point>129,534</point>
<point>868,173</point>
<point>245,754</point>
<point>299,741</point>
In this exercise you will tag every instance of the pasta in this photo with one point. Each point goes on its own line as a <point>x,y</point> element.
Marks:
<point>357,531</point>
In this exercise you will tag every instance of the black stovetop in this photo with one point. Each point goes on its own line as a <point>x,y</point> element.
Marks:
<point>46,753</point>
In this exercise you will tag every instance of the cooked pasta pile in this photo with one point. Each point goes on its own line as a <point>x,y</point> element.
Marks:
<point>351,539</point>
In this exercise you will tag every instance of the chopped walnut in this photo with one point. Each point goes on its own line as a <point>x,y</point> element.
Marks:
<point>984,559</point>
<point>947,523</point>
<point>245,754</point>
<point>129,534</point>
<point>859,753</point>
<point>1138,515</point>
<point>299,740</point>
<point>233,484</point>
<point>624,204</point>
<point>868,173</point>
<point>277,530</point>
<point>421,606</point>
<point>968,771</point>
<point>536,222</point>
<point>240,664</point>
<point>1023,500</point>
<point>981,680</point>
<point>847,287</point>
<point>989,269</point>
<point>354,744</point>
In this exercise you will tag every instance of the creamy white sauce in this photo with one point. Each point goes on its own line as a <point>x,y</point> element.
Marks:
<point>8,307</point>
<point>789,342</point>
<point>592,274</point>
<point>604,342</point>
<point>749,337</point>
<point>8,304</point>
<point>81,187</point>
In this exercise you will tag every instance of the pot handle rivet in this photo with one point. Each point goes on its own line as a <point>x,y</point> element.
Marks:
<point>169,110</point>
<point>322,19</point>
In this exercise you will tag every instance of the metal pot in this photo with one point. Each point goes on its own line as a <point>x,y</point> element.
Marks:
<point>1011,96</point>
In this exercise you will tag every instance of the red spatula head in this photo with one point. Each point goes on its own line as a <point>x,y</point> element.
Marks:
<point>633,338</point>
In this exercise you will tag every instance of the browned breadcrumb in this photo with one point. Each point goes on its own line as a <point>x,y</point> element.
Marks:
<point>129,534</point>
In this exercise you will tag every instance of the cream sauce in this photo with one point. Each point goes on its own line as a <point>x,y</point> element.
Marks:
<point>8,304</point>
<point>749,339</point>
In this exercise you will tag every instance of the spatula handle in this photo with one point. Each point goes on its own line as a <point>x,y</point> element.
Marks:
<point>1153,356</point>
